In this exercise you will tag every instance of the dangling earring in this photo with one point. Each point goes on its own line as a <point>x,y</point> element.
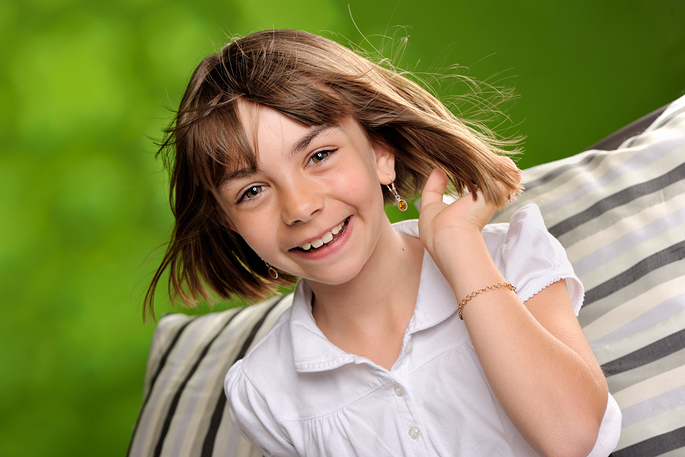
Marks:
<point>401,203</point>
<point>272,271</point>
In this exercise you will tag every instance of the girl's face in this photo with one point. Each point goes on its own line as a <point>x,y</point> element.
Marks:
<point>314,206</point>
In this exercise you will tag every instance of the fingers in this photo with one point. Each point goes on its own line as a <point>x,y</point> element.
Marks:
<point>510,169</point>
<point>435,188</point>
<point>436,185</point>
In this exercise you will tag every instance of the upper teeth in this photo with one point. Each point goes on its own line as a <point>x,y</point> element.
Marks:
<point>325,238</point>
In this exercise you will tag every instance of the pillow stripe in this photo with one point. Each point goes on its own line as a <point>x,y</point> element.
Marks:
<point>664,257</point>
<point>655,446</point>
<point>597,233</point>
<point>668,367</point>
<point>647,354</point>
<point>618,199</point>
<point>655,406</point>
<point>560,170</point>
<point>668,275</point>
<point>647,220</point>
<point>179,391</point>
<point>165,356</point>
<point>613,172</point>
<point>153,380</point>
<point>217,414</point>
<point>633,254</point>
<point>665,316</point>
<point>652,427</point>
<point>552,194</point>
<point>662,121</point>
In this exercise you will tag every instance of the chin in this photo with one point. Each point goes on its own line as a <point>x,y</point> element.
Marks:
<point>337,277</point>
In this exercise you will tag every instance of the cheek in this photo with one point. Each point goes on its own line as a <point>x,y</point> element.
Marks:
<point>359,184</point>
<point>256,232</point>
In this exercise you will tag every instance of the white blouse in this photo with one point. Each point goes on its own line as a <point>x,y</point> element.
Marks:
<point>296,393</point>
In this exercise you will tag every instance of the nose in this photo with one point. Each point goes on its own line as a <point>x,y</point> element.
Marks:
<point>301,201</point>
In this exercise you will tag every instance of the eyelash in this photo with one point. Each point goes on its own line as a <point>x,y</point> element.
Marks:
<point>244,197</point>
<point>327,152</point>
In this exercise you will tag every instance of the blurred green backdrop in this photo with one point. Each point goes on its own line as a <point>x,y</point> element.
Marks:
<point>85,84</point>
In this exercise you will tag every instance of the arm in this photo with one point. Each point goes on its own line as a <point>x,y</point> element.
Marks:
<point>534,354</point>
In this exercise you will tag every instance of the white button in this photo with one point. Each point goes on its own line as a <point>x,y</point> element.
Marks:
<point>408,347</point>
<point>414,433</point>
<point>399,391</point>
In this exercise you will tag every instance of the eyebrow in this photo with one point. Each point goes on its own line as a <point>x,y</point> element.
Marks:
<point>309,137</point>
<point>237,174</point>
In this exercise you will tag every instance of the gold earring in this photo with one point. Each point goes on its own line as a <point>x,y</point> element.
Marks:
<point>401,203</point>
<point>273,273</point>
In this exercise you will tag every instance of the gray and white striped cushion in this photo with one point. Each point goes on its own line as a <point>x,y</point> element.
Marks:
<point>184,408</point>
<point>621,217</point>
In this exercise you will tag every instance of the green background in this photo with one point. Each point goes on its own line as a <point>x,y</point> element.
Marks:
<point>85,85</point>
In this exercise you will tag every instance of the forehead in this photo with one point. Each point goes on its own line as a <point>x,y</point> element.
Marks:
<point>268,130</point>
<point>263,122</point>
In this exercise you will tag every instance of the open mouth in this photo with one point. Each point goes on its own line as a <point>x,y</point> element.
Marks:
<point>326,238</point>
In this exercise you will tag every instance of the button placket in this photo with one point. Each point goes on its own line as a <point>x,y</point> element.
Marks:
<point>404,401</point>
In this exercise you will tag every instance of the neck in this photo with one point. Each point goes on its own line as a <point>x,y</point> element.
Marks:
<point>369,314</point>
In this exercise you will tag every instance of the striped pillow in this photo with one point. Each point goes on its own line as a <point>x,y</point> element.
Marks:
<point>621,217</point>
<point>184,408</point>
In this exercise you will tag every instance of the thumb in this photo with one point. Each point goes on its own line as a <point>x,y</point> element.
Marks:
<point>435,188</point>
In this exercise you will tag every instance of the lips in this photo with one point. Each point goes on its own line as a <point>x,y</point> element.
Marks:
<point>325,238</point>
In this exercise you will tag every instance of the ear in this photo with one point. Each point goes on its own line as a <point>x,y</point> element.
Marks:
<point>385,162</point>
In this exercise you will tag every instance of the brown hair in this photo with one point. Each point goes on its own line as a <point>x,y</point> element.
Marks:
<point>314,81</point>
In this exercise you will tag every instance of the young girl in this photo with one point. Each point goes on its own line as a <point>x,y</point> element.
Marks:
<point>432,337</point>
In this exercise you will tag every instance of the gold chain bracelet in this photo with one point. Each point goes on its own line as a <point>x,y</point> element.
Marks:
<point>480,291</point>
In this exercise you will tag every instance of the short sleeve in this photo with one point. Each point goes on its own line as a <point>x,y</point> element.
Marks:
<point>609,430</point>
<point>251,416</point>
<point>530,257</point>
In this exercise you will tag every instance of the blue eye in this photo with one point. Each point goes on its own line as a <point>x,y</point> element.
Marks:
<point>252,192</point>
<point>319,156</point>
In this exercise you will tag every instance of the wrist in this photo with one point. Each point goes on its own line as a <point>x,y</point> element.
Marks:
<point>483,290</point>
<point>455,240</point>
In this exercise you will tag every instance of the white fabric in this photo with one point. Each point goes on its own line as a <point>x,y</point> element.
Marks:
<point>296,393</point>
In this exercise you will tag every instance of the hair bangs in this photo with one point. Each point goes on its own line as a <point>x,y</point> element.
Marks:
<point>217,143</point>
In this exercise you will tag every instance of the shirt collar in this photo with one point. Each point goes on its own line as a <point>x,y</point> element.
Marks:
<point>313,352</point>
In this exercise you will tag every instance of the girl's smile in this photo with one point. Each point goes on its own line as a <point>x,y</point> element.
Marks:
<point>325,238</point>
<point>312,206</point>
<point>310,251</point>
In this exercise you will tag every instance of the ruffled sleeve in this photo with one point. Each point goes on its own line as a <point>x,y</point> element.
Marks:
<point>250,414</point>
<point>530,257</point>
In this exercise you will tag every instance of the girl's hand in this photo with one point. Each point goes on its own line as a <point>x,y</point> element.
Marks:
<point>441,223</point>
